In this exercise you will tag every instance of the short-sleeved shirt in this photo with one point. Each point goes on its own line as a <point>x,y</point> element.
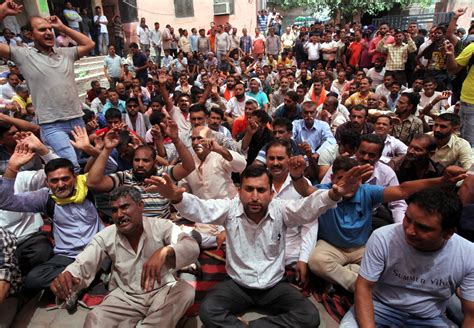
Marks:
<point>467,92</point>
<point>260,97</point>
<point>51,80</point>
<point>140,60</point>
<point>418,283</point>
<point>350,223</point>
<point>114,65</point>
<point>155,204</point>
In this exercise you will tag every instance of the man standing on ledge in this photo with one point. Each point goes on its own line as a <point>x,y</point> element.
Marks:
<point>256,229</point>
<point>49,72</point>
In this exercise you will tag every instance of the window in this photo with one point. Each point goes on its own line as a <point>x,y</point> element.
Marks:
<point>183,8</point>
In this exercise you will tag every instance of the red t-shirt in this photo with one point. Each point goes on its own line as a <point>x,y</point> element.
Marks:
<point>356,48</point>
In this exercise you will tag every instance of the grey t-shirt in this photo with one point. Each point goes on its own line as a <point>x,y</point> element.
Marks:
<point>51,81</point>
<point>418,283</point>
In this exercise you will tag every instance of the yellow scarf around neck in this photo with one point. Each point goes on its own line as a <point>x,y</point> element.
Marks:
<point>79,195</point>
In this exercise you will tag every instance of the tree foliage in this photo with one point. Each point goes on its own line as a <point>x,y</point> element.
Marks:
<point>347,8</point>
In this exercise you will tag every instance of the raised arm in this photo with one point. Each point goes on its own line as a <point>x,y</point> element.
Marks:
<point>84,43</point>
<point>451,175</point>
<point>212,211</point>
<point>187,164</point>
<point>8,8</point>
<point>453,24</point>
<point>96,178</point>
<point>163,79</point>
<point>23,202</point>
<point>21,125</point>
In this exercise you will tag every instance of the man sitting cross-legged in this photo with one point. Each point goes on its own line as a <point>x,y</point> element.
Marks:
<point>344,230</point>
<point>256,229</point>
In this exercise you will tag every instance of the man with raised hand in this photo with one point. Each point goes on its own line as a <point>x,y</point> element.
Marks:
<point>256,229</point>
<point>50,74</point>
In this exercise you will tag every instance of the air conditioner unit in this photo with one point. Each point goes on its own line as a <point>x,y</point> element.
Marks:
<point>221,8</point>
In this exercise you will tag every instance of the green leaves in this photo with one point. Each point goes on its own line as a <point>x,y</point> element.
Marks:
<point>347,8</point>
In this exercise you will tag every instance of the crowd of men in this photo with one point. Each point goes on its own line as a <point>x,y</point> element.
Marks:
<point>340,152</point>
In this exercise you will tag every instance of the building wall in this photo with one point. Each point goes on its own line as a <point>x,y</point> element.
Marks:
<point>163,11</point>
<point>452,5</point>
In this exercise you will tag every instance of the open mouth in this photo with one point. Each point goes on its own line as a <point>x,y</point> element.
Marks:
<point>122,221</point>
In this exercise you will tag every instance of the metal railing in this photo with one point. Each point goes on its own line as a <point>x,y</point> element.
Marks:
<point>423,20</point>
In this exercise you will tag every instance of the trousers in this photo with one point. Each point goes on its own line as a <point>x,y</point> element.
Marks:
<point>286,305</point>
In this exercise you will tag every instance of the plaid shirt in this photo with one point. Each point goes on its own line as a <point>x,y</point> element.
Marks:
<point>397,55</point>
<point>9,270</point>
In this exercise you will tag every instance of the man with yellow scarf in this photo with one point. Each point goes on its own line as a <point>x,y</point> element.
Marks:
<point>74,216</point>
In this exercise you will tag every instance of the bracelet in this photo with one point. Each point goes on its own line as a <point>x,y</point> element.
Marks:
<point>296,178</point>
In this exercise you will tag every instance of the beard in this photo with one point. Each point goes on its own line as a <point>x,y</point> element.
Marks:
<point>439,135</point>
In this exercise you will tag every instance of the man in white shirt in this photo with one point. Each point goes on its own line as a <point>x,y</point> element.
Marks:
<point>100,21</point>
<point>155,40</point>
<point>212,179</point>
<point>256,229</point>
<point>236,104</point>
<point>143,33</point>
<point>8,89</point>
<point>313,47</point>
<point>393,147</point>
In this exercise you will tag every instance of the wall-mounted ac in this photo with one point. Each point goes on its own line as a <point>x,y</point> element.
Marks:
<point>222,8</point>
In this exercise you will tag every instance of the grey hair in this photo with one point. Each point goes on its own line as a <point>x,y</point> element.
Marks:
<point>22,87</point>
<point>124,191</point>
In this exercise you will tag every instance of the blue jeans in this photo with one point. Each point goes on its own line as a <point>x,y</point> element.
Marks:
<point>387,317</point>
<point>467,122</point>
<point>103,40</point>
<point>56,135</point>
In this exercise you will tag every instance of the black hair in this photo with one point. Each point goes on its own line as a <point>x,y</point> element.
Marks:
<point>280,143</point>
<point>156,118</point>
<point>437,201</point>
<point>255,171</point>
<point>58,163</point>
<point>292,95</point>
<point>350,138</point>
<point>359,108</point>
<point>413,99</point>
<point>112,113</point>
<point>152,149</point>
<point>390,119</point>
<point>133,99</point>
<point>283,121</point>
<point>218,111</point>
<point>133,45</point>
<point>88,115</point>
<point>4,128</point>
<point>343,163</point>
<point>373,139</point>
<point>262,116</point>
<point>452,118</point>
<point>196,108</point>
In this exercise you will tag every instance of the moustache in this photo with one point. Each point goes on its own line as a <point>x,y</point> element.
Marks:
<point>120,221</point>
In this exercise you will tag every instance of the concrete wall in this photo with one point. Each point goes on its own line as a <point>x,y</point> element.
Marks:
<point>453,5</point>
<point>162,11</point>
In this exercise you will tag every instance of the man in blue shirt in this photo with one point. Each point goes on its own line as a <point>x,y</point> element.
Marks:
<point>344,231</point>
<point>65,201</point>
<point>311,130</point>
